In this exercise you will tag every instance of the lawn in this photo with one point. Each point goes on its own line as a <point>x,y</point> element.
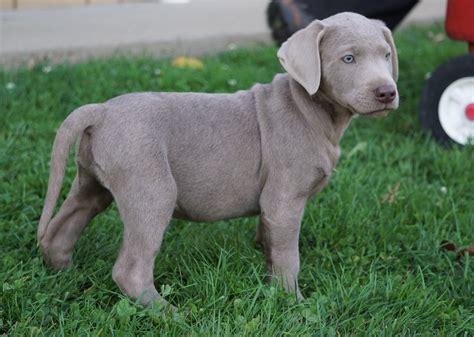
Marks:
<point>370,258</point>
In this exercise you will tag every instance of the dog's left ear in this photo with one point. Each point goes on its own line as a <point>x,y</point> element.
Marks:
<point>299,55</point>
<point>389,38</point>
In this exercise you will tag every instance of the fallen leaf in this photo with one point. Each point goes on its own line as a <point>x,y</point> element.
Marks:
<point>390,196</point>
<point>451,247</point>
<point>187,62</point>
<point>448,246</point>
<point>469,251</point>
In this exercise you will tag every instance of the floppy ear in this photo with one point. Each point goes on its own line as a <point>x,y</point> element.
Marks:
<point>389,38</point>
<point>299,55</point>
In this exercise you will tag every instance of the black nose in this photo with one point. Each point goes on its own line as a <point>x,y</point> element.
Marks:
<point>385,93</point>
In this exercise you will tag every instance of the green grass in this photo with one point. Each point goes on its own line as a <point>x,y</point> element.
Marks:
<point>370,261</point>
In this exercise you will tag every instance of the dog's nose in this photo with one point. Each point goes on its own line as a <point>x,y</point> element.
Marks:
<point>385,93</point>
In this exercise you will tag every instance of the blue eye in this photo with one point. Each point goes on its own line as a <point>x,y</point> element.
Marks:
<point>348,58</point>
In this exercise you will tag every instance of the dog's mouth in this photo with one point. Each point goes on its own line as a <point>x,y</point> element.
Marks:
<point>374,109</point>
<point>380,112</point>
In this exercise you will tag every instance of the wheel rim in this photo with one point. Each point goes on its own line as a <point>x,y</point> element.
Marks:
<point>455,110</point>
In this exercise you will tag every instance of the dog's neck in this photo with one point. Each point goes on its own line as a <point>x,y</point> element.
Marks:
<point>320,109</point>
<point>340,116</point>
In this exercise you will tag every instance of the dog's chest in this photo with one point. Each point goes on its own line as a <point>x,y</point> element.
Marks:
<point>323,169</point>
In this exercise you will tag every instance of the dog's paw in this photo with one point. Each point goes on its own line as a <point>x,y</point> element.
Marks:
<point>54,258</point>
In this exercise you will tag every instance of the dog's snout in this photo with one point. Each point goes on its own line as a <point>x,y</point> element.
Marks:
<point>385,93</point>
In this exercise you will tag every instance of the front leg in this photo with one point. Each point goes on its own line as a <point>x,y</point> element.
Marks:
<point>278,233</point>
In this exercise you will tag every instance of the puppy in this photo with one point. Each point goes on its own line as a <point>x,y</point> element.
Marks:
<point>206,157</point>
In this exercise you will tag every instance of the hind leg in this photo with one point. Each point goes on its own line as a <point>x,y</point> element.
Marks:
<point>86,199</point>
<point>146,202</point>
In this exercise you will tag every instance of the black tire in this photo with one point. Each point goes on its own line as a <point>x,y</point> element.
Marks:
<point>286,17</point>
<point>447,73</point>
<point>277,23</point>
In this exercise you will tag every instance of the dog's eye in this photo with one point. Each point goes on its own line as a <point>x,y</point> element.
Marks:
<point>387,56</point>
<point>348,58</point>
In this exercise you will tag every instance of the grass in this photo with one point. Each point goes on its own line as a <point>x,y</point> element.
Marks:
<point>370,258</point>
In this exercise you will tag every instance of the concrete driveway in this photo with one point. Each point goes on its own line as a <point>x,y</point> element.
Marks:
<point>161,28</point>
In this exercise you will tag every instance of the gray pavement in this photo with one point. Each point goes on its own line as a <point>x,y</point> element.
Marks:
<point>165,28</point>
<point>426,11</point>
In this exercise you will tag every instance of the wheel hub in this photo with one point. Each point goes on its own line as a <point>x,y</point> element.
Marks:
<point>470,112</point>
<point>456,110</point>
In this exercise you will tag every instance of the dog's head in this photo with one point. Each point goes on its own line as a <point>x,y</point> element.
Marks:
<point>349,58</point>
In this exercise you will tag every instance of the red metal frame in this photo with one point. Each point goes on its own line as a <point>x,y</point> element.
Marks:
<point>460,21</point>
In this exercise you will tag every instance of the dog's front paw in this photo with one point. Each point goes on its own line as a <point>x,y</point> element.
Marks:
<point>55,258</point>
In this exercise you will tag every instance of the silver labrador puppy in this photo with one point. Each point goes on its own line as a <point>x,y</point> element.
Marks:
<point>206,157</point>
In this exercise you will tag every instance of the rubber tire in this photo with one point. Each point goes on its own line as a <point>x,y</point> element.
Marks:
<point>277,23</point>
<point>447,73</point>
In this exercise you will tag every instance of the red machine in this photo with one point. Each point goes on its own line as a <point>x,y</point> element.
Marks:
<point>459,21</point>
<point>447,101</point>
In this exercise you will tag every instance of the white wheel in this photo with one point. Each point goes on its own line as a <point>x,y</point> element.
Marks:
<point>456,110</point>
<point>447,102</point>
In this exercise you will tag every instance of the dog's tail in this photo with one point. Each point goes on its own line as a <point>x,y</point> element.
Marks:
<point>72,127</point>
